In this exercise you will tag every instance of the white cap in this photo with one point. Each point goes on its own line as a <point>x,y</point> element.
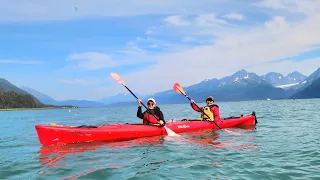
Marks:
<point>151,99</point>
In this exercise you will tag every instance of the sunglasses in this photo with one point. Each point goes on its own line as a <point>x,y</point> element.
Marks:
<point>150,103</point>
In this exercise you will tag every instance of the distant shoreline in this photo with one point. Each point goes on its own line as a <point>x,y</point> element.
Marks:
<point>21,109</point>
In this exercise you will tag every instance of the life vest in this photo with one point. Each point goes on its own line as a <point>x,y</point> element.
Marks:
<point>207,111</point>
<point>149,118</point>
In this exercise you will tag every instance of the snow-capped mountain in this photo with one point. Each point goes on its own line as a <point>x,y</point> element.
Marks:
<point>308,81</point>
<point>311,91</point>
<point>295,77</point>
<point>275,78</point>
<point>309,88</point>
<point>242,77</point>
<point>241,85</point>
<point>315,75</point>
<point>205,84</point>
<point>281,81</point>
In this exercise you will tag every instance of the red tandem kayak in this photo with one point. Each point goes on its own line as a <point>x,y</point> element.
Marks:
<point>59,134</point>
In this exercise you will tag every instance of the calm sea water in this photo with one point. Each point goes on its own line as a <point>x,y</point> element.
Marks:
<point>284,145</point>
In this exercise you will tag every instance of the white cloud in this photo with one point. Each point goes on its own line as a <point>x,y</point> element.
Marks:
<point>139,39</point>
<point>91,61</point>
<point>154,46</point>
<point>235,48</point>
<point>210,20</point>
<point>199,28</point>
<point>276,4</point>
<point>133,49</point>
<point>7,61</point>
<point>149,32</point>
<point>142,44</point>
<point>188,39</point>
<point>75,9</point>
<point>88,80</point>
<point>231,49</point>
<point>293,29</point>
<point>77,82</point>
<point>308,7</point>
<point>176,20</point>
<point>305,67</point>
<point>236,16</point>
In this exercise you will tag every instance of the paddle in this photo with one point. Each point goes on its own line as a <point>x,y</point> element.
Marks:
<point>180,90</point>
<point>118,79</point>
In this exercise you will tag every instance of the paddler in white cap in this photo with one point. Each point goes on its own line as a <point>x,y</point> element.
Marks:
<point>149,119</point>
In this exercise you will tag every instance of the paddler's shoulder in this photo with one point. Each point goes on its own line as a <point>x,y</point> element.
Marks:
<point>214,105</point>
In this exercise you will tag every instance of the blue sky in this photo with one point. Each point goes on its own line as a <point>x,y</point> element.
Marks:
<point>68,49</point>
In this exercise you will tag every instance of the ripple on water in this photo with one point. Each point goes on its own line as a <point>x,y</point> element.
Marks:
<point>285,145</point>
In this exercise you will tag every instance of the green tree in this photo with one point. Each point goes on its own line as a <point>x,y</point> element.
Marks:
<point>12,99</point>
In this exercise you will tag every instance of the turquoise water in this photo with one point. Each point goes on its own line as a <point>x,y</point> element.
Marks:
<point>285,145</point>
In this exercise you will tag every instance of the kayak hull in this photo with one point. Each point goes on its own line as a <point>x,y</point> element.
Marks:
<point>58,134</point>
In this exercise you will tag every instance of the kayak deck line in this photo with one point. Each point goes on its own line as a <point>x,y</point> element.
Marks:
<point>60,134</point>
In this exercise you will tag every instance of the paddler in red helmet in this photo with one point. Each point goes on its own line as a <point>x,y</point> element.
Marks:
<point>212,110</point>
<point>149,119</point>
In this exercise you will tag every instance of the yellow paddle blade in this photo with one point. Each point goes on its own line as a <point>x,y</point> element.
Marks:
<point>178,89</point>
<point>117,78</point>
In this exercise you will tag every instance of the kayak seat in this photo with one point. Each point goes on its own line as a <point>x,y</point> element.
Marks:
<point>231,117</point>
<point>192,120</point>
<point>86,126</point>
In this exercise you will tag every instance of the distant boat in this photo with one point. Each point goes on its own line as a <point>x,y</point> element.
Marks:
<point>268,99</point>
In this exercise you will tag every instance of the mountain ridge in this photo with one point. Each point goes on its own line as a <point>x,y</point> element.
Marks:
<point>311,91</point>
<point>279,80</point>
<point>49,100</point>
<point>40,96</point>
<point>7,86</point>
<point>239,86</point>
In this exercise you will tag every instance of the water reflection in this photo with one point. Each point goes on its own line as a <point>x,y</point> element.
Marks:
<point>52,156</point>
<point>210,138</point>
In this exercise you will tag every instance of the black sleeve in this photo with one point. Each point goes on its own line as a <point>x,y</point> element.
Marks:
<point>160,115</point>
<point>139,113</point>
